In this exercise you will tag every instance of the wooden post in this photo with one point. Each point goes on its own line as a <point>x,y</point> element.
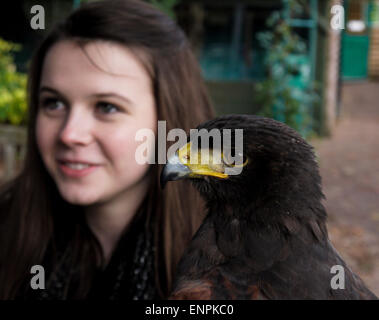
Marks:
<point>13,142</point>
<point>332,75</point>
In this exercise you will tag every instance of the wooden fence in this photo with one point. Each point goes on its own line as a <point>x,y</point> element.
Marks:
<point>12,150</point>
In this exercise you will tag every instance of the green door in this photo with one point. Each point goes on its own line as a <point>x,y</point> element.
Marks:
<point>355,41</point>
<point>354,57</point>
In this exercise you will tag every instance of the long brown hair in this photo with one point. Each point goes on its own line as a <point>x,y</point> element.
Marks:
<point>31,206</point>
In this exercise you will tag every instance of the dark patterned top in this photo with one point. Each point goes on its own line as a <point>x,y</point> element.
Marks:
<point>129,274</point>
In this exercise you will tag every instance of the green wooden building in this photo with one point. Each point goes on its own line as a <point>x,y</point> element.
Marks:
<point>360,40</point>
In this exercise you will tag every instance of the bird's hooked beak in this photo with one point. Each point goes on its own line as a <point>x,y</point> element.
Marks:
<point>174,170</point>
<point>188,163</point>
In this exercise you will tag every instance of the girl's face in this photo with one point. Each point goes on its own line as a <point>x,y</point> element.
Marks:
<point>89,113</point>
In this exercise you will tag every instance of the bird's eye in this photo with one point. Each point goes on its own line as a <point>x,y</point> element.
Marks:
<point>231,161</point>
<point>227,159</point>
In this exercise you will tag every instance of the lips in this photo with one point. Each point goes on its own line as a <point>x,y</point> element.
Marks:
<point>76,169</point>
<point>66,160</point>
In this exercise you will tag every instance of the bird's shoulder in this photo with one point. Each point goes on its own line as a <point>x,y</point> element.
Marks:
<point>217,285</point>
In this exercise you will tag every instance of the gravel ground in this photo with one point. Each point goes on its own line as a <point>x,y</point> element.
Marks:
<point>349,166</point>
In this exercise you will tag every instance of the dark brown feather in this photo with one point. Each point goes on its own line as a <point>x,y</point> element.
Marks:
<point>265,234</point>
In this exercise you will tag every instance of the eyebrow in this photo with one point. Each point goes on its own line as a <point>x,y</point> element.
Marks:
<point>97,95</point>
<point>114,95</point>
<point>56,92</point>
<point>44,88</point>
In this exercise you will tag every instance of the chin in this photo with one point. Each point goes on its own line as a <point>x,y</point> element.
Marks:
<point>77,198</point>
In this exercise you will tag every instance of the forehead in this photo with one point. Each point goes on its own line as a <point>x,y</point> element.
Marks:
<point>99,65</point>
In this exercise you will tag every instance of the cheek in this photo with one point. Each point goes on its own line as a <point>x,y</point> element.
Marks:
<point>123,142</point>
<point>121,150</point>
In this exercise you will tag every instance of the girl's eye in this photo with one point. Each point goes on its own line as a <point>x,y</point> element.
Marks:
<point>106,107</point>
<point>52,104</point>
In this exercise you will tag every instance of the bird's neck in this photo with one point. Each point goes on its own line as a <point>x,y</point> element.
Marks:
<point>268,225</point>
<point>271,206</point>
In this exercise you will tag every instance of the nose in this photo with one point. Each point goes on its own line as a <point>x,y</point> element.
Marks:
<point>77,128</point>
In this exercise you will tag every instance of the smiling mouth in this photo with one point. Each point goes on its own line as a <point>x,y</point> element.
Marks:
<point>75,169</point>
<point>76,165</point>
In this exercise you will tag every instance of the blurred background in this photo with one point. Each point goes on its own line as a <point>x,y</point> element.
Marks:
<point>277,58</point>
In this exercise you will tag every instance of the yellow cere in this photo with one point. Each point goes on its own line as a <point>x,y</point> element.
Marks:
<point>202,162</point>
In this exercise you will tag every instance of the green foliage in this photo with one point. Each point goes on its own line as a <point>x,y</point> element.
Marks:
<point>13,105</point>
<point>287,93</point>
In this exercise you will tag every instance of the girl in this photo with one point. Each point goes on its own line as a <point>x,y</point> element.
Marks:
<point>82,207</point>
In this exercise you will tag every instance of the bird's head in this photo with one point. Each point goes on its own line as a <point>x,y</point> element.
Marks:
<point>273,163</point>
